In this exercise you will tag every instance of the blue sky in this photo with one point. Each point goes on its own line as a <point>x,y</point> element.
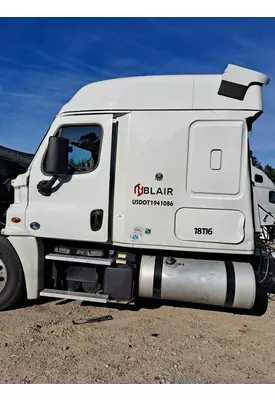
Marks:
<point>43,62</point>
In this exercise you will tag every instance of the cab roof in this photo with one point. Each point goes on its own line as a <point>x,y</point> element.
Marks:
<point>238,88</point>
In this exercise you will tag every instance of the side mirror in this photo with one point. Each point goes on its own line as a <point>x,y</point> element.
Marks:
<point>57,156</point>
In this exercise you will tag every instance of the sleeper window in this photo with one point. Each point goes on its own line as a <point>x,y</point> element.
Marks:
<point>259,178</point>
<point>272,197</point>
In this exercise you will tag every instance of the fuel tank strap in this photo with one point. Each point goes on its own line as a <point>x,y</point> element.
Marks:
<point>157,278</point>
<point>231,284</point>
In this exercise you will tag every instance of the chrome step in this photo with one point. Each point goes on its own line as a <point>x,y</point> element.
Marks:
<point>79,259</point>
<point>64,294</point>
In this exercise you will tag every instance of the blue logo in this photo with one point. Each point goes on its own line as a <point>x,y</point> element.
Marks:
<point>35,226</point>
<point>135,237</point>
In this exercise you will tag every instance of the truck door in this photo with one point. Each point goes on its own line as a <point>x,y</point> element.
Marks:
<point>78,206</point>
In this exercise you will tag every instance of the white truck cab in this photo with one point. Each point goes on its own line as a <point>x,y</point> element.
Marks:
<point>264,192</point>
<point>141,187</point>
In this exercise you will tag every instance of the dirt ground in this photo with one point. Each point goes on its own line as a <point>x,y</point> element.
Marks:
<point>40,344</point>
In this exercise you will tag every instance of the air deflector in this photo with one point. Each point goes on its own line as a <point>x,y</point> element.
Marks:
<point>236,81</point>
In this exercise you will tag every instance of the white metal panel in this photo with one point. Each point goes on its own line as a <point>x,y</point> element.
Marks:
<point>216,226</point>
<point>168,92</point>
<point>31,255</point>
<point>157,142</point>
<point>216,159</point>
<point>206,137</point>
<point>137,93</point>
<point>149,143</point>
<point>18,208</point>
<point>66,213</point>
<point>206,96</point>
<point>261,193</point>
<point>244,76</point>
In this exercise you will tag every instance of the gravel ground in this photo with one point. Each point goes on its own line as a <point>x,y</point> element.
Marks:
<point>40,344</point>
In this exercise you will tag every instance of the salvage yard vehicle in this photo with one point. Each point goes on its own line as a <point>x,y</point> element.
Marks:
<point>12,163</point>
<point>143,188</point>
<point>264,191</point>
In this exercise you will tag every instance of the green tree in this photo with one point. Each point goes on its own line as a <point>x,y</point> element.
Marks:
<point>255,162</point>
<point>270,172</point>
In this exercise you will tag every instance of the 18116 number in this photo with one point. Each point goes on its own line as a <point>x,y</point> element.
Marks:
<point>203,231</point>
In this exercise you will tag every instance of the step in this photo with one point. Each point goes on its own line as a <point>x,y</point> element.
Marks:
<point>64,294</point>
<point>79,259</point>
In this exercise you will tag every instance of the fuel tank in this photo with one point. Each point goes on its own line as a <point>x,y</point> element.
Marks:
<point>219,283</point>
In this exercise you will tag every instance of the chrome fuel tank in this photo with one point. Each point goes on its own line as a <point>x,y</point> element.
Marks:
<point>220,283</point>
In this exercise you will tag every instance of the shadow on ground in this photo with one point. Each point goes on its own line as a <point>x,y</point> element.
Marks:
<point>259,308</point>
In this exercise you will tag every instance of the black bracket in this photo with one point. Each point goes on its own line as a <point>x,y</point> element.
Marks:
<point>45,187</point>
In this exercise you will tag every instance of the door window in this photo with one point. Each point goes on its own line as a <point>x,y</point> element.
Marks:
<point>84,146</point>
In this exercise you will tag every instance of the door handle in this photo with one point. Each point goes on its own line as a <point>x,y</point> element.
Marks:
<point>96,220</point>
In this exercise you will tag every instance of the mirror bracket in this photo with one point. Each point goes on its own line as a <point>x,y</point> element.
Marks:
<point>45,187</point>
